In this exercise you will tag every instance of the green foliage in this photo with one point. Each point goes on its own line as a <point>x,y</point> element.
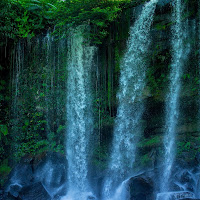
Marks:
<point>145,159</point>
<point>9,12</point>
<point>4,111</point>
<point>184,146</point>
<point>4,168</point>
<point>101,113</point>
<point>26,18</point>
<point>157,74</point>
<point>60,129</point>
<point>24,26</point>
<point>3,130</point>
<point>37,147</point>
<point>4,171</point>
<point>160,26</point>
<point>156,83</point>
<point>98,14</point>
<point>38,116</point>
<point>192,81</point>
<point>188,146</point>
<point>153,141</point>
<point>4,141</point>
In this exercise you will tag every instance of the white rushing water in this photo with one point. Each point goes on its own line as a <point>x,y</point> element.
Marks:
<point>179,55</point>
<point>130,109</point>
<point>79,115</point>
<point>175,195</point>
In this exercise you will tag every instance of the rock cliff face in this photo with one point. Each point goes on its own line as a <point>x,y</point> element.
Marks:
<point>157,76</point>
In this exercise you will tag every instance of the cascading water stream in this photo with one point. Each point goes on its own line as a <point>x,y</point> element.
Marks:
<point>48,40</point>
<point>79,115</point>
<point>179,55</point>
<point>130,109</point>
<point>18,68</point>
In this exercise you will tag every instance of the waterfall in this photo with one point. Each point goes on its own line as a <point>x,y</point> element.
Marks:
<point>130,109</point>
<point>179,55</point>
<point>79,114</point>
<point>39,97</point>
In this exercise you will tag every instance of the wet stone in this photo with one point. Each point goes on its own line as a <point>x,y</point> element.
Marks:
<point>35,191</point>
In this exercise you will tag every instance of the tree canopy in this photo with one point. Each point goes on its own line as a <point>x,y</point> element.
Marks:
<point>27,18</point>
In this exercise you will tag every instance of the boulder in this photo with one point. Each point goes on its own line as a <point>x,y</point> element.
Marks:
<point>141,188</point>
<point>197,157</point>
<point>51,172</point>
<point>47,174</point>
<point>175,195</point>
<point>184,178</point>
<point>190,199</point>
<point>20,176</point>
<point>8,196</point>
<point>1,194</point>
<point>14,189</point>
<point>35,191</point>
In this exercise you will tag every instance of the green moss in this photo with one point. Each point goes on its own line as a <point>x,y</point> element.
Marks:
<point>150,142</point>
<point>188,147</point>
<point>4,171</point>
<point>160,26</point>
<point>145,159</point>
